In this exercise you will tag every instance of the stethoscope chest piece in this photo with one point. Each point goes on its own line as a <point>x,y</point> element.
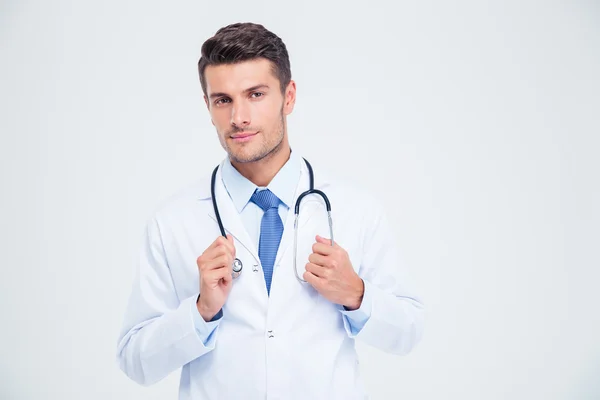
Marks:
<point>236,268</point>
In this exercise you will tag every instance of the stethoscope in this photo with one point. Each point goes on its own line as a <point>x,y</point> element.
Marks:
<point>237,263</point>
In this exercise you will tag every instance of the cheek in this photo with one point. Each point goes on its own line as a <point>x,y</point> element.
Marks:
<point>270,117</point>
<point>219,119</point>
<point>268,109</point>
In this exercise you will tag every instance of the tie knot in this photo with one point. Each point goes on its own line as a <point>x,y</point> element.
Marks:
<point>265,199</point>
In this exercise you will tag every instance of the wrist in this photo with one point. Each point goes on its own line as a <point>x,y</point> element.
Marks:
<point>355,299</point>
<point>206,313</point>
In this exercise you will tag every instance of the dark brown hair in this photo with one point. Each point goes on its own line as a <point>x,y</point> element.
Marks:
<point>242,42</point>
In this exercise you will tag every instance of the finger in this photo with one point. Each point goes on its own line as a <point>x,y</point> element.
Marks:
<point>226,242</point>
<point>215,253</point>
<point>231,241</point>
<point>319,259</point>
<point>218,274</point>
<point>321,239</point>
<point>215,243</point>
<point>224,274</point>
<point>323,249</point>
<point>316,270</point>
<point>221,245</point>
<point>312,279</point>
<point>222,261</point>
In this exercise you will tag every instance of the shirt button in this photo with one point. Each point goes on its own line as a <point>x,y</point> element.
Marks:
<point>270,334</point>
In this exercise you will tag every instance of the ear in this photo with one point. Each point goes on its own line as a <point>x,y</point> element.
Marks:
<point>289,98</point>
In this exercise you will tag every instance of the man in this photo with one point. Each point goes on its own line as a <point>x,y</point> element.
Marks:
<point>264,333</point>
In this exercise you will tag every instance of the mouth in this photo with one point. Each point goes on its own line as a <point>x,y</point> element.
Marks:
<point>243,137</point>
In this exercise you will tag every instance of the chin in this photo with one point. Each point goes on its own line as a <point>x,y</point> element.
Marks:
<point>241,157</point>
<point>248,154</point>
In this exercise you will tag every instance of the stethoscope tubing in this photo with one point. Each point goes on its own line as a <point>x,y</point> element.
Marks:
<point>237,264</point>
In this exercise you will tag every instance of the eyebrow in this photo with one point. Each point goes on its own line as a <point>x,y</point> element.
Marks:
<point>251,89</point>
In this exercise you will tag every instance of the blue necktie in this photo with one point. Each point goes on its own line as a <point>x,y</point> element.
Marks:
<point>271,229</point>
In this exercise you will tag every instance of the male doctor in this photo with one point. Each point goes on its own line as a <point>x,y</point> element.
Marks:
<point>264,334</point>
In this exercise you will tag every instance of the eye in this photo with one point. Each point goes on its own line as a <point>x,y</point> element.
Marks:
<point>222,100</point>
<point>257,94</point>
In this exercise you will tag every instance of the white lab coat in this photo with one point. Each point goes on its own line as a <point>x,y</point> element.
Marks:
<point>293,344</point>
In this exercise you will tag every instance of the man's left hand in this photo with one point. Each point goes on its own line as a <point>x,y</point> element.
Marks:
<point>330,272</point>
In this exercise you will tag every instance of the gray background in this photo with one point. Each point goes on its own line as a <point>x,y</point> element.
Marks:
<point>475,122</point>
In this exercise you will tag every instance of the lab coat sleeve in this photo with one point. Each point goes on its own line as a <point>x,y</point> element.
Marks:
<point>206,329</point>
<point>393,310</point>
<point>160,332</point>
<point>355,319</point>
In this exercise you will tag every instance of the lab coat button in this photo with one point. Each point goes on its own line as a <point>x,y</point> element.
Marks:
<point>270,334</point>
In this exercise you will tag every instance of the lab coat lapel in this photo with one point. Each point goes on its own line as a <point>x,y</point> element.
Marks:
<point>310,205</point>
<point>232,222</point>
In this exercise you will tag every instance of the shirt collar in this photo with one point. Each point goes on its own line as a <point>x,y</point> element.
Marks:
<point>283,185</point>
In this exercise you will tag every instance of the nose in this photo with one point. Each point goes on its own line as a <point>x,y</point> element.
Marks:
<point>240,115</point>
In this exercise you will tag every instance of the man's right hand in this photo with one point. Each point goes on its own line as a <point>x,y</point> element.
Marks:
<point>215,268</point>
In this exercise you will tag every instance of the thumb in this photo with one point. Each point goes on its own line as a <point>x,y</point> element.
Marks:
<point>230,240</point>
<point>323,240</point>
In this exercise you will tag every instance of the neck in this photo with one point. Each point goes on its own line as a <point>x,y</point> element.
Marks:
<point>262,172</point>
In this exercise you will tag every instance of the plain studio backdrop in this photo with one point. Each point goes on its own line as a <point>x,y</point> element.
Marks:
<point>477,123</point>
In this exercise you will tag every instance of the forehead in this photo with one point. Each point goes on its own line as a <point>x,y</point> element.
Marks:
<point>231,78</point>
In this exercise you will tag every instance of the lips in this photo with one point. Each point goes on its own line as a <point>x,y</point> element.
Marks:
<point>243,135</point>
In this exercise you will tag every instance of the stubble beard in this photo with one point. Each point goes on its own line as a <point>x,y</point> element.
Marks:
<point>266,150</point>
